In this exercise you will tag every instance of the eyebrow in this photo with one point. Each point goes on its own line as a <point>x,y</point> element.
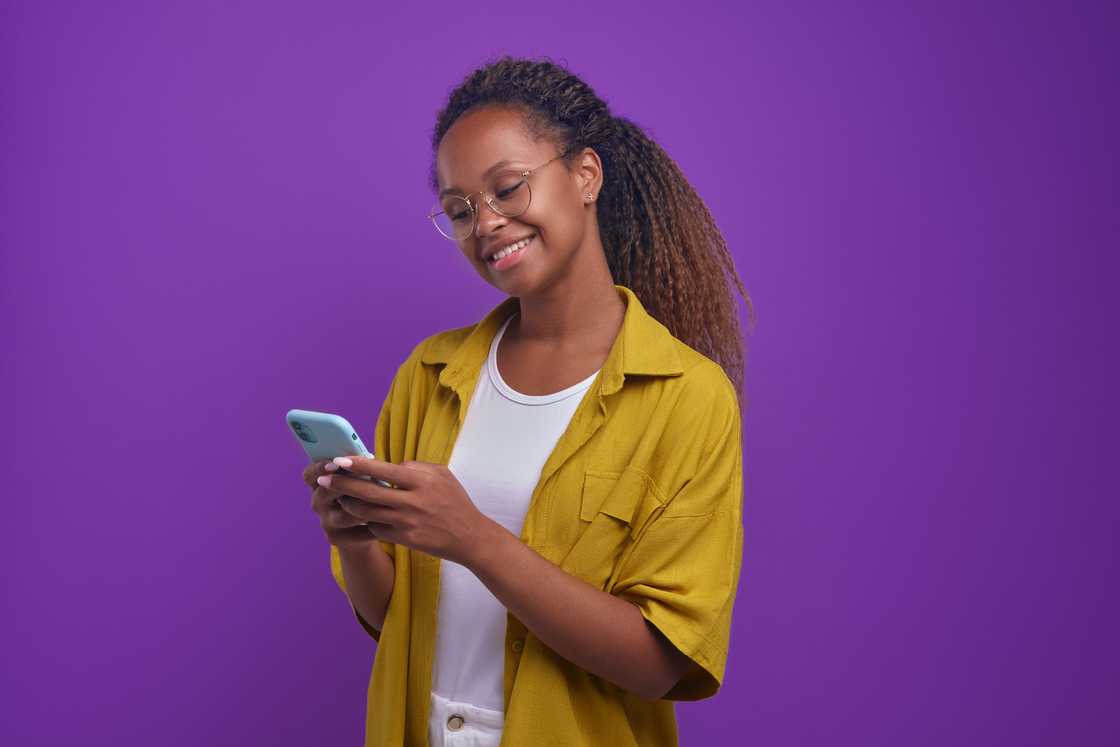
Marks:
<point>488,172</point>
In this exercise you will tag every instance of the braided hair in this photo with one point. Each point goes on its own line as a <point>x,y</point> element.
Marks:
<point>659,238</point>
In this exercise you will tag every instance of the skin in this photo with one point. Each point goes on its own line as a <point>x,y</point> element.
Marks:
<point>367,571</point>
<point>570,317</point>
<point>570,311</point>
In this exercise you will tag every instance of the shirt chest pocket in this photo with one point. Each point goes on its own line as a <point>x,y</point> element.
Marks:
<point>614,506</point>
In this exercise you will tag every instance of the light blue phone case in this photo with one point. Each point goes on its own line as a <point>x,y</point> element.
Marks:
<point>324,435</point>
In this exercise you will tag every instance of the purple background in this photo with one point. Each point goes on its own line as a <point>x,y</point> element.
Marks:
<point>213,212</point>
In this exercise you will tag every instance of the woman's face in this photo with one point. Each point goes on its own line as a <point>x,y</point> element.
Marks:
<point>557,218</point>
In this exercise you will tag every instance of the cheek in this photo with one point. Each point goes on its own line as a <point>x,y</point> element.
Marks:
<point>558,226</point>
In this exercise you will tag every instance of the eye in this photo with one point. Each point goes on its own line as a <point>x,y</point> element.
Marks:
<point>456,209</point>
<point>508,190</point>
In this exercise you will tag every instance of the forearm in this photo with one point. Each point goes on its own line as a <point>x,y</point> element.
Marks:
<point>604,634</point>
<point>368,572</point>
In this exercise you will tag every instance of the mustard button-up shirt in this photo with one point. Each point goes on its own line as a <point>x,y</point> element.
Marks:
<point>641,497</point>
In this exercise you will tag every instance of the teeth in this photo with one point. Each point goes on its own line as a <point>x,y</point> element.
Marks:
<point>509,249</point>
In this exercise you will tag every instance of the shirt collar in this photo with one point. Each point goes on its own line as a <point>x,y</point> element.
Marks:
<point>643,346</point>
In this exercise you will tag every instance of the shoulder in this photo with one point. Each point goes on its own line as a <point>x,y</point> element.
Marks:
<point>424,361</point>
<point>435,348</point>
<point>438,347</point>
<point>704,385</point>
<point>703,440</point>
<point>703,414</point>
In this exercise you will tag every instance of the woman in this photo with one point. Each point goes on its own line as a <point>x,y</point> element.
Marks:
<point>559,559</point>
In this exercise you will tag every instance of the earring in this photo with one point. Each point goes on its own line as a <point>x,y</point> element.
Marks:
<point>589,197</point>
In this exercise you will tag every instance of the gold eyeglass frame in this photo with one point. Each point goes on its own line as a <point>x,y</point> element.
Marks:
<point>490,202</point>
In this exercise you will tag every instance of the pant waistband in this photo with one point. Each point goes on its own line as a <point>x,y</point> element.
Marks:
<point>469,711</point>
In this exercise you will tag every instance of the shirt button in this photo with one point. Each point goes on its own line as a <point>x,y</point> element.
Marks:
<point>518,645</point>
<point>455,723</point>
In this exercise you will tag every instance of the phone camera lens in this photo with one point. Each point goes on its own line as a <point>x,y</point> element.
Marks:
<point>303,432</point>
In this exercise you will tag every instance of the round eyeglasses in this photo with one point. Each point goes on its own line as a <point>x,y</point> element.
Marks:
<point>507,193</point>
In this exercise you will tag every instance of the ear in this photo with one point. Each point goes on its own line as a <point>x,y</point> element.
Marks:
<point>588,168</point>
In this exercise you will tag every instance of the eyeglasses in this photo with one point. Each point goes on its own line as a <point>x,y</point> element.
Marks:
<point>507,193</point>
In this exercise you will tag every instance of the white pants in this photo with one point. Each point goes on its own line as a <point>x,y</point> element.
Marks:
<point>457,724</point>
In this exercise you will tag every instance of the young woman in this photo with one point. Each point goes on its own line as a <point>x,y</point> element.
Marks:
<point>559,558</point>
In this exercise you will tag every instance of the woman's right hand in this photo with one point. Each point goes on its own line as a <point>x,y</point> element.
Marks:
<point>341,527</point>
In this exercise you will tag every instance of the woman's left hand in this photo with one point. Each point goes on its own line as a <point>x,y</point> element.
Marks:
<point>429,510</point>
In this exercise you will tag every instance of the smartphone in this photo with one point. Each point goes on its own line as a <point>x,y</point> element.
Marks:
<point>324,435</point>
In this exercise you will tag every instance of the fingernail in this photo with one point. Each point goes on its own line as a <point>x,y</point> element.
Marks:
<point>324,480</point>
<point>330,466</point>
<point>344,462</point>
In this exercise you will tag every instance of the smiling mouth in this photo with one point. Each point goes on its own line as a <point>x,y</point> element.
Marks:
<point>497,257</point>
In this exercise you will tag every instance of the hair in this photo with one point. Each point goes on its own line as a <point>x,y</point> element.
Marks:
<point>659,238</point>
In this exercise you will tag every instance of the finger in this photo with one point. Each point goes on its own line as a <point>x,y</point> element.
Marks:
<point>400,475</point>
<point>386,532</point>
<point>331,514</point>
<point>368,511</point>
<point>363,489</point>
<point>338,518</point>
<point>322,499</point>
<point>422,466</point>
<point>313,470</point>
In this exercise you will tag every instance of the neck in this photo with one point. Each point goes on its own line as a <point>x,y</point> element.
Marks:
<point>570,315</point>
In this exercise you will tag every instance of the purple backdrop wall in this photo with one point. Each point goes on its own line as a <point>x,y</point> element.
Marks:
<point>213,212</point>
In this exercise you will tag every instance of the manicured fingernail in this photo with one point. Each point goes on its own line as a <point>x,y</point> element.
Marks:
<point>344,462</point>
<point>330,466</point>
<point>324,480</point>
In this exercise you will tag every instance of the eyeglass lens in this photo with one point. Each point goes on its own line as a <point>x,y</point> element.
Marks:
<point>455,218</point>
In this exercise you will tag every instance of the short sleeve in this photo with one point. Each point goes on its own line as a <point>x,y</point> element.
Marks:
<point>683,570</point>
<point>387,445</point>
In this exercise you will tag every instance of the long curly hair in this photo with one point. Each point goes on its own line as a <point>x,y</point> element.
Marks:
<point>659,237</point>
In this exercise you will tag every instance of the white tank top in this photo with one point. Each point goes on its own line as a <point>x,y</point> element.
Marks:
<point>504,442</point>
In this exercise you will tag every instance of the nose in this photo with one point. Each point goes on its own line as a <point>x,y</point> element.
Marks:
<point>488,219</point>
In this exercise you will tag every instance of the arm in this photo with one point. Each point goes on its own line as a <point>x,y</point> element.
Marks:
<point>368,573</point>
<point>678,579</point>
<point>597,631</point>
<point>663,628</point>
<point>365,572</point>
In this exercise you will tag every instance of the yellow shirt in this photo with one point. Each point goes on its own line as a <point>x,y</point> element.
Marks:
<point>641,497</point>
